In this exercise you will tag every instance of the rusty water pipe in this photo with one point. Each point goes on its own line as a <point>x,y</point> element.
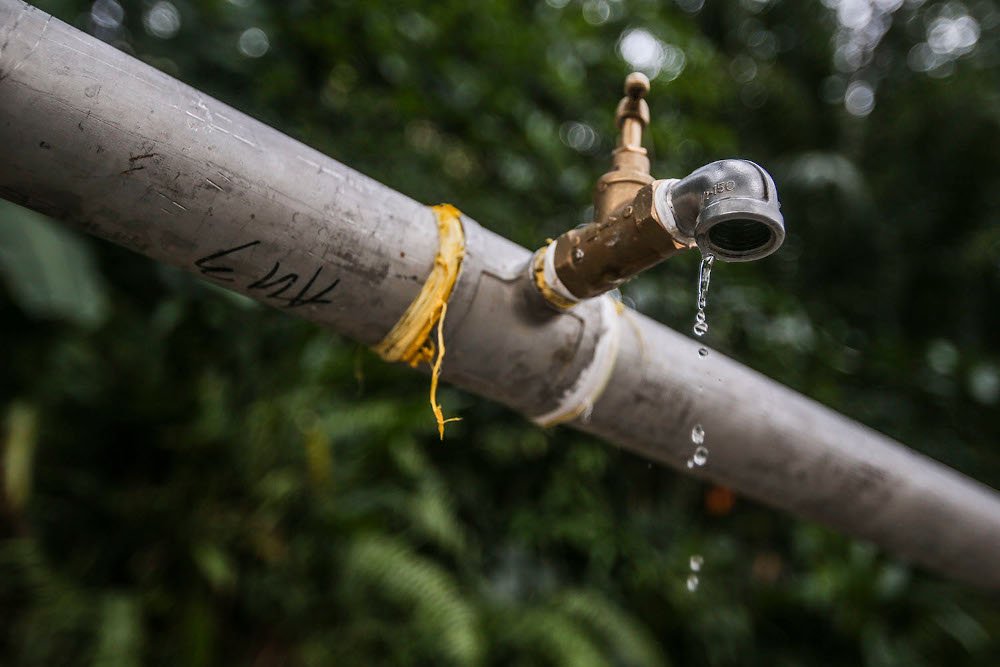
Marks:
<point>729,209</point>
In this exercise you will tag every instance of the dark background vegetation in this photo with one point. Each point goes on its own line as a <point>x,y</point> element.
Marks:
<point>191,479</point>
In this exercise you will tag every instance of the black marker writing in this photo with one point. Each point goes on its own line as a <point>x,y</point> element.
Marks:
<point>210,267</point>
<point>207,269</point>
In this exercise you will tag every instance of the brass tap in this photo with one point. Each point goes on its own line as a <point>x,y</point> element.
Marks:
<point>729,208</point>
<point>594,259</point>
<point>629,161</point>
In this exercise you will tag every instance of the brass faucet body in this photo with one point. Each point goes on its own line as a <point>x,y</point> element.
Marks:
<point>729,208</point>
<point>625,236</point>
<point>599,257</point>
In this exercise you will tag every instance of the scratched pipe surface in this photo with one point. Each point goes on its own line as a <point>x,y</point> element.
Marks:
<point>96,138</point>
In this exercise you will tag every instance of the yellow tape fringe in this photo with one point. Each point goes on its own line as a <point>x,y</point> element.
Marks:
<point>409,340</point>
<point>435,373</point>
<point>555,299</point>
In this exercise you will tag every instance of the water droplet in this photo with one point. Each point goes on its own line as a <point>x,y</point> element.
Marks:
<point>692,582</point>
<point>704,277</point>
<point>698,434</point>
<point>696,562</point>
<point>577,255</point>
<point>690,463</point>
<point>700,325</point>
<point>700,457</point>
<point>702,351</point>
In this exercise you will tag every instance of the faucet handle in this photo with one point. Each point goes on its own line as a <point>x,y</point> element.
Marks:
<point>633,107</point>
<point>629,161</point>
<point>636,85</point>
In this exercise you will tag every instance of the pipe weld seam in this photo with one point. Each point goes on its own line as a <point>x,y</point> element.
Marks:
<point>578,400</point>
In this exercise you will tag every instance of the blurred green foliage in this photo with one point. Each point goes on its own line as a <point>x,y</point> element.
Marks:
<point>191,479</point>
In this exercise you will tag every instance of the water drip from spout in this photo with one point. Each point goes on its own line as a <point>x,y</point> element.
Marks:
<point>704,277</point>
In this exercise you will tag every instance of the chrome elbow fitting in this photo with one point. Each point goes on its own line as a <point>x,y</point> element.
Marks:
<point>728,208</point>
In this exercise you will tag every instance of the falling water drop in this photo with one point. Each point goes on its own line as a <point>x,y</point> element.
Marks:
<point>700,457</point>
<point>577,255</point>
<point>700,453</point>
<point>704,277</point>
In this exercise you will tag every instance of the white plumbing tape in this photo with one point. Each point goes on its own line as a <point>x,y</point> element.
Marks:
<point>580,398</point>
<point>552,278</point>
<point>664,210</point>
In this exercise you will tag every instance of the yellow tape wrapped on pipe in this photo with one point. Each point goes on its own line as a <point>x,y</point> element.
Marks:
<point>409,340</point>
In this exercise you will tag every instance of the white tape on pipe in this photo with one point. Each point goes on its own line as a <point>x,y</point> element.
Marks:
<point>579,399</point>
<point>552,278</point>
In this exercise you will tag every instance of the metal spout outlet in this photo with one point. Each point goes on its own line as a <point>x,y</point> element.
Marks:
<point>729,209</point>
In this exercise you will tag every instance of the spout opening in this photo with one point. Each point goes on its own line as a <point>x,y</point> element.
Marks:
<point>740,236</point>
<point>740,239</point>
<point>738,232</point>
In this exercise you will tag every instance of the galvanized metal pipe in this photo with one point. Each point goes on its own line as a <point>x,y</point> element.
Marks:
<point>95,137</point>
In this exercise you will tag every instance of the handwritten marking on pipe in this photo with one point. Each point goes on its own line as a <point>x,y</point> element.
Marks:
<point>207,269</point>
<point>209,266</point>
<point>289,279</point>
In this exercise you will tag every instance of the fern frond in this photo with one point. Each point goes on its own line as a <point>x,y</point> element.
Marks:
<point>392,568</point>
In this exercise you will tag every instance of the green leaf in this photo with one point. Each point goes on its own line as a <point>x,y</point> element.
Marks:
<point>48,270</point>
